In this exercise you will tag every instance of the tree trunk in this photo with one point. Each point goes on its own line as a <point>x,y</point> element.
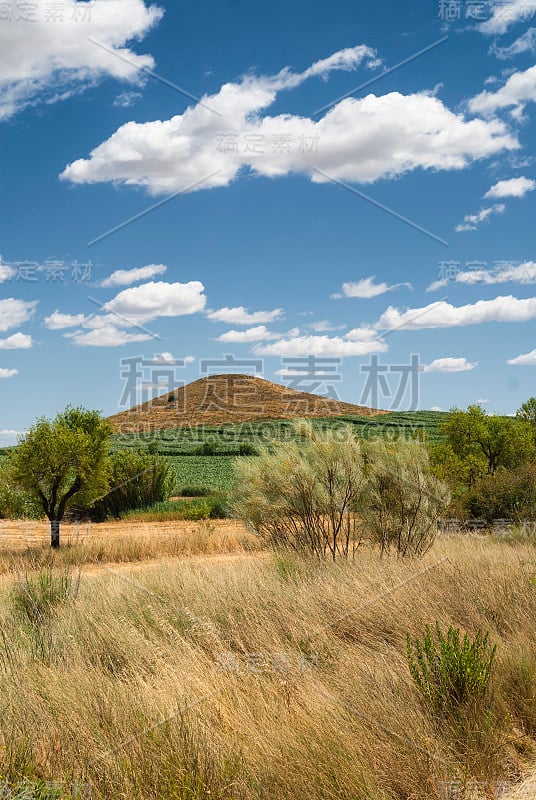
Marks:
<point>55,533</point>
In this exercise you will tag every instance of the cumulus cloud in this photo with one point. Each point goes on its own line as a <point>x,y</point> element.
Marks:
<point>256,334</point>
<point>58,321</point>
<point>358,342</point>
<point>359,140</point>
<point>507,14</point>
<point>158,299</point>
<point>526,359</point>
<point>513,187</point>
<point>519,89</point>
<point>366,288</point>
<point>472,221</point>
<point>124,277</point>
<point>444,315</point>
<point>8,373</point>
<point>15,312</point>
<point>241,316</point>
<point>449,364</point>
<point>17,341</point>
<point>46,60</point>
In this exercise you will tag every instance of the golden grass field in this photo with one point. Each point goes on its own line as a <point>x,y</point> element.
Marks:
<point>190,664</point>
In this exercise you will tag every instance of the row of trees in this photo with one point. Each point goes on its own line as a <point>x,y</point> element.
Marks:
<point>489,462</point>
<point>314,494</point>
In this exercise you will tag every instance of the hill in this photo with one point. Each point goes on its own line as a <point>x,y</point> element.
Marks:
<point>230,399</point>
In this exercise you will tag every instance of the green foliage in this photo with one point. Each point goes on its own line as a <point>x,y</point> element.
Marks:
<point>505,494</point>
<point>64,461</point>
<point>137,480</point>
<point>304,496</point>
<point>213,472</point>
<point>490,442</point>
<point>451,673</point>
<point>15,502</point>
<point>195,491</point>
<point>403,500</point>
<point>246,438</point>
<point>527,411</point>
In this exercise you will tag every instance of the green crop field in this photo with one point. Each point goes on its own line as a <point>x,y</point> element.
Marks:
<point>213,472</point>
<point>205,456</point>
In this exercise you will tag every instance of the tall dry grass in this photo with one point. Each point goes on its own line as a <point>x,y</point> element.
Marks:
<point>265,678</point>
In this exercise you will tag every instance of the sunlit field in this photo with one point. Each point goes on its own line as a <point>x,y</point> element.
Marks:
<point>180,662</point>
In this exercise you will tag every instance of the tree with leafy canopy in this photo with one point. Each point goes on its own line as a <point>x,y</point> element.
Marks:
<point>494,441</point>
<point>527,412</point>
<point>63,461</point>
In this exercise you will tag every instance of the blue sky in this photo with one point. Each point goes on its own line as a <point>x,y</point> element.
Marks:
<point>398,220</point>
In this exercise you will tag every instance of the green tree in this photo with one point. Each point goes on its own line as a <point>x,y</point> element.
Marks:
<point>498,442</point>
<point>528,411</point>
<point>63,461</point>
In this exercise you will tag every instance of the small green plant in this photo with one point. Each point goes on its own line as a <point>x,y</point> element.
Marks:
<point>451,673</point>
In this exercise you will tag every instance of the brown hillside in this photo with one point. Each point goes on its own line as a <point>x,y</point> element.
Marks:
<point>224,399</point>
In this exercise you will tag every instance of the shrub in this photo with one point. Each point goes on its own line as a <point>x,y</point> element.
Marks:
<point>137,480</point>
<point>304,495</point>
<point>403,500</point>
<point>504,494</point>
<point>451,673</point>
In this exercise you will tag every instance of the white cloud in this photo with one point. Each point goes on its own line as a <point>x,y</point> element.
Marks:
<point>241,316</point>
<point>507,14</point>
<point>449,364</point>
<point>525,43</point>
<point>514,187</point>
<point>519,89</point>
<point>472,221</point>
<point>324,326</point>
<point>366,288</point>
<point>124,277</point>
<point>168,358</point>
<point>359,139</point>
<point>126,99</point>
<point>504,272</point>
<point>158,299</point>
<point>359,342</point>
<point>524,274</point>
<point>8,373</point>
<point>445,315</point>
<point>482,401</point>
<point>6,272</point>
<point>436,408</point>
<point>15,312</point>
<point>257,334</point>
<point>526,359</point>
<point>58,321</point>
<point>9,437</point>
<point>17,341</point>
<point>106,337</point>
<point>43,60</point>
